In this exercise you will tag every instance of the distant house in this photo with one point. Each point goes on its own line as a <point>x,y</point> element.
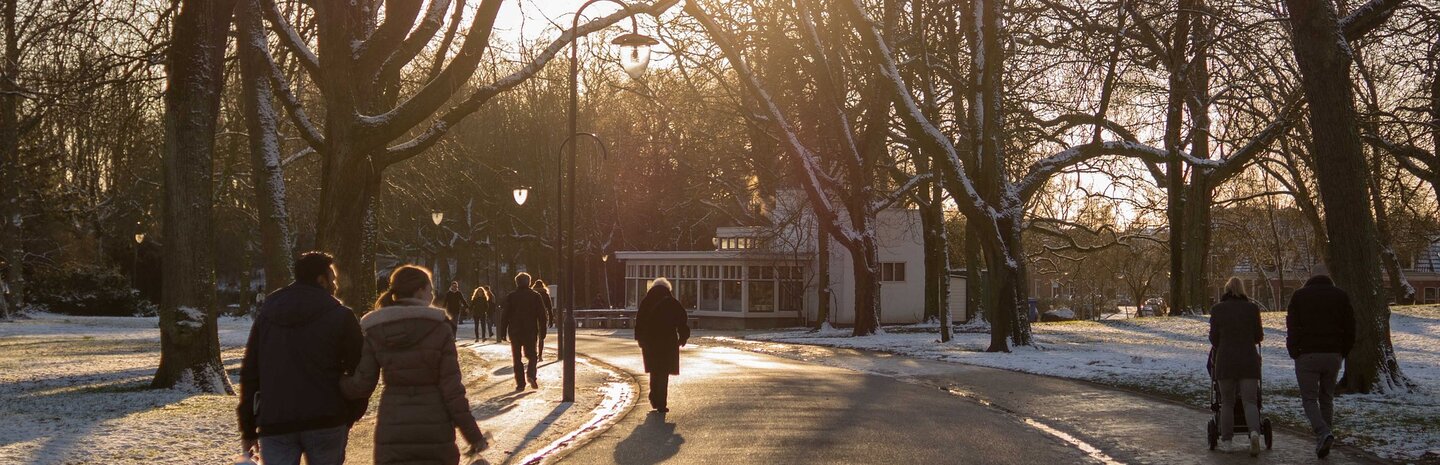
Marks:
<point>1422,271</point>
<point>763,277</point>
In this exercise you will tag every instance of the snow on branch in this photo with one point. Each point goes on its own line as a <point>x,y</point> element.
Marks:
<point>1040,172</point>
<point>387,37</point>
<point>810,168</point>
<point>1262,141</point>
<point>901,192</point>
<point>414,44</point>
<point>291,39</point>
<point>293,107</point>
<point>1367,17</point>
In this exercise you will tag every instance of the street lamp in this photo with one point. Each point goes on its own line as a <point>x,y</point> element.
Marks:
<point>437,217</point>
<point>521,193</point>
<point>605,271</point>
<point>635,58</point>
<point>135,261</point>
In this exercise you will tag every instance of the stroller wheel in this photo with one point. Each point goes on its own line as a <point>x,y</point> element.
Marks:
<point>1266,431</point>
<point>1212,433</point>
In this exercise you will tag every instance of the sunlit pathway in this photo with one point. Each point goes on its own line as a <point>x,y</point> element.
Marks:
<point>733,407</point>
<point>1125,427</point>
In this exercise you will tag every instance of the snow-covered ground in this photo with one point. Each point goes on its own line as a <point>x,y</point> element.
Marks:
<point>1167,356</point>
<point>75,390</point>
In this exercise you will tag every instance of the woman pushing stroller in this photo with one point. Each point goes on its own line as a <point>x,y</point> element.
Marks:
<point>1235,334</point>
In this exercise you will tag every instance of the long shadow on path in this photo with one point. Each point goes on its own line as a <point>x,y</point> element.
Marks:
<point>652,442</point>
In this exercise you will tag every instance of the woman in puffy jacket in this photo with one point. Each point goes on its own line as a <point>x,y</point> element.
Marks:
<point>412,345</point>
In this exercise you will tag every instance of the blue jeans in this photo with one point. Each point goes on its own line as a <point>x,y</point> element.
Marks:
<point>319,446</point>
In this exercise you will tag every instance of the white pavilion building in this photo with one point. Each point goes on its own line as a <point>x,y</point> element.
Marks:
<point>765,277</point>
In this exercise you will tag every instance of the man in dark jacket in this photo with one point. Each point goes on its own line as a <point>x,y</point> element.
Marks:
<point>523,321</point>
<point>1320,330</point>
<point>455,306</point>
<point>662,328</point>
<point>302,342</point>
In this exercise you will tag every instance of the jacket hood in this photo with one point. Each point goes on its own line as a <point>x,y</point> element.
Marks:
<point>1321,280</point>
<point>403,325</point>
<point>656,294</point>
<point>299,304</point>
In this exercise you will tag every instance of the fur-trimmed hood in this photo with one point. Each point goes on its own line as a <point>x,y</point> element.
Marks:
<point>409,308</point>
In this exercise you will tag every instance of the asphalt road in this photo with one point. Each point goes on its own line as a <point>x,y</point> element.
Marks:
<point>735,407</point>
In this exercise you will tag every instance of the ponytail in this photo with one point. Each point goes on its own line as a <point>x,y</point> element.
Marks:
<point>405,281</point>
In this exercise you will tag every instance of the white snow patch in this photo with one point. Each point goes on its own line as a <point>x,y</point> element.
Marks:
<point>1167,355</point>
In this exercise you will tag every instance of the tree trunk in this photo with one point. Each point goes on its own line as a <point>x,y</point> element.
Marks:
<point>11,224</point>
<point>1324,61</point>
<point>1174,165</point>
<point>1401,290</point>
<point>822,277</point>
<point>189,341</point>
<point>261,122</point>
<point>975,290</point>
<point>346,226</point>
<point>866,263</point>
<point>932,243</point>
<point>1195,253</point>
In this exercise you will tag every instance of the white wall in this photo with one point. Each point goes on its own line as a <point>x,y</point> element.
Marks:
<point>901,240</point>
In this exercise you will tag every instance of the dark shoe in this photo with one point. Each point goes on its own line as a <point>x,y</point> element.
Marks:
<point>520,387</point>
<point>534,384</point>
<point>1324,448</point>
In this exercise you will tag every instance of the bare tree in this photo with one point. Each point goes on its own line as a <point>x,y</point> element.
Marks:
<point>189,341</point>
<point>1324,57</point>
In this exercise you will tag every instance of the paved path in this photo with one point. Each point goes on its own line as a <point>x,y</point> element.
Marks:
<point>1125,426</point>
<point>735,407</point>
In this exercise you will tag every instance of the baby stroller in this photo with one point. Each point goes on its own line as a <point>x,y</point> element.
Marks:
<point>1212,429</point>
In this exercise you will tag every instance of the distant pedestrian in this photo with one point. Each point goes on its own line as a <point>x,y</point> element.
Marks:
<point>423,403</point>
<point>1320,326</point>
<point>550,314</point>
<point>523,322</point>
<point>1235,332</point>
<point>481,306</point>
<point>455,306</point>
<point>662,328</point>
<point>599,301</point>
<point>291,404</point>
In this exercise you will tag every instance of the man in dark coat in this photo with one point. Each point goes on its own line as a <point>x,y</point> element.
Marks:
<point>662,328</point>
<point>1320,330</point>
<point>523,321</point>
<point>302,342</point>
<point>455,306</point>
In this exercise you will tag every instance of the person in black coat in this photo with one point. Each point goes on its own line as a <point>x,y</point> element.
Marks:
<point>523,321</point>
<point>481,306</point>
<point>554,321</point>
<point>455,306</point>
<point>1235,332</point>
<point>292,405</point>
<point>1320,331</point>
<point>662,328</point>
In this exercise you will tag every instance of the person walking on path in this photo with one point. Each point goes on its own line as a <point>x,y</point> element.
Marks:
<point>550,316</point>
<point>455,306</point>
<point>523,322</point>
<point>662,328</point>
<point>292,405</point>
<point>480,309</point>
<point>1235,333</point>
<point>411,344</point>
<point>1320,326</point>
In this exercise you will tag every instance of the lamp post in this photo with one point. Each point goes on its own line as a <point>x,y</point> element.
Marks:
<point>135,261</point>
<point>605,271</point>
<point>436,217</point>
<point>634,58</point>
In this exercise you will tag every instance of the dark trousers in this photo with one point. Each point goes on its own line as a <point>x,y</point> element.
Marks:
<point>1316,374</point>
<point>522,372</point>
<point>482,326</point>
<point>659,390</point>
